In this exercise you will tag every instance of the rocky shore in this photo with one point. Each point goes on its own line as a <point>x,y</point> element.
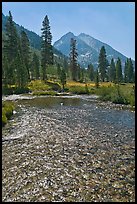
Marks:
<point>69,153</point>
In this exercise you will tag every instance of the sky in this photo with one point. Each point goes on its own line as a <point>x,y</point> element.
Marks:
<point>110,22</point>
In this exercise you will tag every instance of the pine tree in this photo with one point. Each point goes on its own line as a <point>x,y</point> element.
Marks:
<point>82,74</point>
<point>5,71</point>
<point>65,65</point>
<point>97,79</point>
<point>63,78</point>
<point>73,59</point>
<point>90,71</point>
<point>11,46</point>
<point>21,71</point>
<point>46,47</point>
<point>58,70</point>
<point>78,72</point>
<point>25,50</point>
<point>112,71</point>
<point>126,70</point>
<point>119,76</point>
<point>130,71</point>
<point>35,67</point>
<point>102,63</point>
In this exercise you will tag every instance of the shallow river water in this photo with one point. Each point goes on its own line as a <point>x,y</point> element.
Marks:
<point>68,149</point>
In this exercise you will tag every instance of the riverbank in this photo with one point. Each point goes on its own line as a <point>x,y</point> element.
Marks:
<point>123,93</point>
<point>112,95</point>
<point>107,104</point>
<point>62,152</point>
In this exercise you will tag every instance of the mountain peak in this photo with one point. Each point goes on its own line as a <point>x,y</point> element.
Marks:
<point>88,49</point>
<point>82,34</point>
<point>69,35</point>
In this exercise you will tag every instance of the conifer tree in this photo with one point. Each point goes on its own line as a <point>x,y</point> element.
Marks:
<point>130,71</point>
<point>46,47</point>
<point>65,65</point>
<point>126,71</point>
<point>82,74</point>
<point>63,78</point>
<point>58,70</point>
<point>11,47</point>
<point>21,71</point>
<point>96,79</point>
<point>90,71</point>
<point>119,76</point>
<point>73,59</point>
<point>112,71</point>
<point>35,67</point>
<point>5,71</point>
<point>25,51</point>
<point>78,72</point>
<point>102,63</point>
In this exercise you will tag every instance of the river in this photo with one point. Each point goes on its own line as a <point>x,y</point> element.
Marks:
<point>71,148</point>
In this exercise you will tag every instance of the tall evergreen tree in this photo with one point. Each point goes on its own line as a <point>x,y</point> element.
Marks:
<point>63,78</point>
<point>112,71</point>
<point>25,51</point>
<point>97,79</point>
<point>126,70</point>
<point>90,71</point>
<point>78,72</point>
<point>46,47</point>
<point>119,76</point>
<point>5,71</point>
<point>21,73</point>
<point>73,59</point>
<point>82,74</point>
<point>11,47</point>
<point>58,70</point>
<point>102,63</point>
<point>35,67</point>
<point>130,71</point>
<point>65,65</point>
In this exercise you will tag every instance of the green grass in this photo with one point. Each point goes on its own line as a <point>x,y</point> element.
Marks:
<point>38,85</point>
<point>78,90</point>
<point>124,94</point>
<point>7,111</point>
<point>41,86</point>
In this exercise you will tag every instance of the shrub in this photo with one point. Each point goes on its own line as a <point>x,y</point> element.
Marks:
<point>20,90</point>
<point>7,90</point>
<point>113,94</point>
<point>105,93</point>
<point>7,111</point>
<point>119,99</point>
<point>39,85</point>
<point>78,90</point>
<point>54,86</point>
<point>4,118</point>
<point>8,108</point>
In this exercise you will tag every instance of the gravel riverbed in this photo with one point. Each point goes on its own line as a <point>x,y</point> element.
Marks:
<point>77,151</point>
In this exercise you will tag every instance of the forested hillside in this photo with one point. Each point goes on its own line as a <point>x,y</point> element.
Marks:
<point>34,39</point>
<point>23,60</point>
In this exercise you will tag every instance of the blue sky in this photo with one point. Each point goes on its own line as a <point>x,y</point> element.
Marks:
<point>110,22</point>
